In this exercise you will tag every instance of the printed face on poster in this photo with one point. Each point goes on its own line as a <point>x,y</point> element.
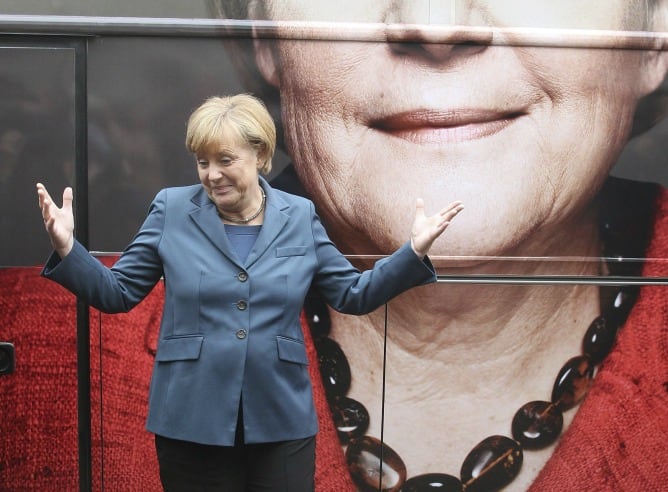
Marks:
<point>520,110</point>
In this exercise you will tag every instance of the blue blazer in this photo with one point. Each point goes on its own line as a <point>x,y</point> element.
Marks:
<point>230,328</point>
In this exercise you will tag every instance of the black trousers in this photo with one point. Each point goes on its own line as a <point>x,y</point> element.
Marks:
<point>286,466</point>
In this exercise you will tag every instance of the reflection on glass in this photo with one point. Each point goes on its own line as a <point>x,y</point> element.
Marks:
<point>36,143</point>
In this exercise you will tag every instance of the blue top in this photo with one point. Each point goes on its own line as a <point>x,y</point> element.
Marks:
<point>242,238</point>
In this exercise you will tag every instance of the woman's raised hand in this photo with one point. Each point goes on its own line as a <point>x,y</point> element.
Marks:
<point>58,222</point>
<point>426,229</point>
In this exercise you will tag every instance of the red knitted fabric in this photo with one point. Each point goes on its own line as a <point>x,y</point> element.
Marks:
<point>38,417</point>
<point>124,452</point>
<point>618,440</point>
<point>38,424</point>
<point>331,472</point>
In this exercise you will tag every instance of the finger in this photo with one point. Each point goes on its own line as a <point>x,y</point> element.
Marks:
<point>452,210</point>
<point>67,199</point>
<point>456,205</point>
<point>453,206</point>
<point>42,194</point>
<point>419,207</point>
<point>443,225</point>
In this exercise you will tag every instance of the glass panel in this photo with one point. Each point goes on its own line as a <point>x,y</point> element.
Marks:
<point>38,400</point>
<point>462,359</point>
<point>532,178</point>
<point>117,8</point>
<point>535,189</point>
<point>569,14</point>
<point>510,14</point>
<point>36,144</point>
<point>122,354</point>
<point>353,409</point>
<point>141,92</point>
<point>523,126</point>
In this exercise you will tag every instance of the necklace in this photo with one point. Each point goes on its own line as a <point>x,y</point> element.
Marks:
<point>496,460</point>
<point>245,220</point>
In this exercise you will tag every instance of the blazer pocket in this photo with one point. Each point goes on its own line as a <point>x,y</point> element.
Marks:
<point>179,348</point>
<point>290,251</point>
<point>291,350</point>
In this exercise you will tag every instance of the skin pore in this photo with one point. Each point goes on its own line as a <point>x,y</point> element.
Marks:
<point>524,135</point>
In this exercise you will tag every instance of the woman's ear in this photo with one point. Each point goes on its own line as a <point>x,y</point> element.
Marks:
<point>652,96</point>
<point>265,57</point>
<point>654,70</point>
<point>656,60</point>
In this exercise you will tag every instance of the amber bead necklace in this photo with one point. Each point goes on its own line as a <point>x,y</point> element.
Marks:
<point>496,460</point>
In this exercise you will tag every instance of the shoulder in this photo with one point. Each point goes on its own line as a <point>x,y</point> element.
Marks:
<point>179,199</point>
<point>178,194</point>
<point>181,191</point>
<point>284,200</point>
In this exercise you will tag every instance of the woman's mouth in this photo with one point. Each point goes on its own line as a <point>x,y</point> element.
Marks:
<point>219,190</point>
<point>444,127</point>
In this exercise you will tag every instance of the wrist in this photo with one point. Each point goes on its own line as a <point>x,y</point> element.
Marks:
<point>65,250</point>
<point>415,250</point>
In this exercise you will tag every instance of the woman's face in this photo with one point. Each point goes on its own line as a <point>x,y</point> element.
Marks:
<point>524,136</point>
<point>228,171</point>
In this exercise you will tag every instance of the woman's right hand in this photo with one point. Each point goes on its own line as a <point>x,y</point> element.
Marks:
<point>58,222</point>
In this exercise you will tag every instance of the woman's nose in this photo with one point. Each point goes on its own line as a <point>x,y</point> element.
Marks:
<point>214,173</point>
<point>438,44</point>
<point>437,31</point>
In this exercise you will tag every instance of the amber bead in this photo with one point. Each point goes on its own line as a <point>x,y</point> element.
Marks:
<point>317,316</point>
<point>492,464</point>
<point>374,466</point>
<point>334,367</point>
<point>622,304</point>
<point>599,339</point>
<point>351,418</point>
<point>537,424</point>
<point>625,232</point>
<point>573,382</point>
<point>433,482</point>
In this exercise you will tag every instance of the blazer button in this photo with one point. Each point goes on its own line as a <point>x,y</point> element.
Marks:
<point>243,276</point>
<point>241,305</point>
<point>241,334</point>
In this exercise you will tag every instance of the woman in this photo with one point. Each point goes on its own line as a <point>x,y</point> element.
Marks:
<point>230,401</point>
<point>530,133</point>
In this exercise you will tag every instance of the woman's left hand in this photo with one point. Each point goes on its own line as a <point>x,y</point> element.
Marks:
<point>426,229</point>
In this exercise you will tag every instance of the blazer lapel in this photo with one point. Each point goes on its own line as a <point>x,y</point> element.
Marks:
<point>275,219</point>
<point>206,218</point>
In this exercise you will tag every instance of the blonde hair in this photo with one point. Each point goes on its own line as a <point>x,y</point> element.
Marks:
<point>244,114</point>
